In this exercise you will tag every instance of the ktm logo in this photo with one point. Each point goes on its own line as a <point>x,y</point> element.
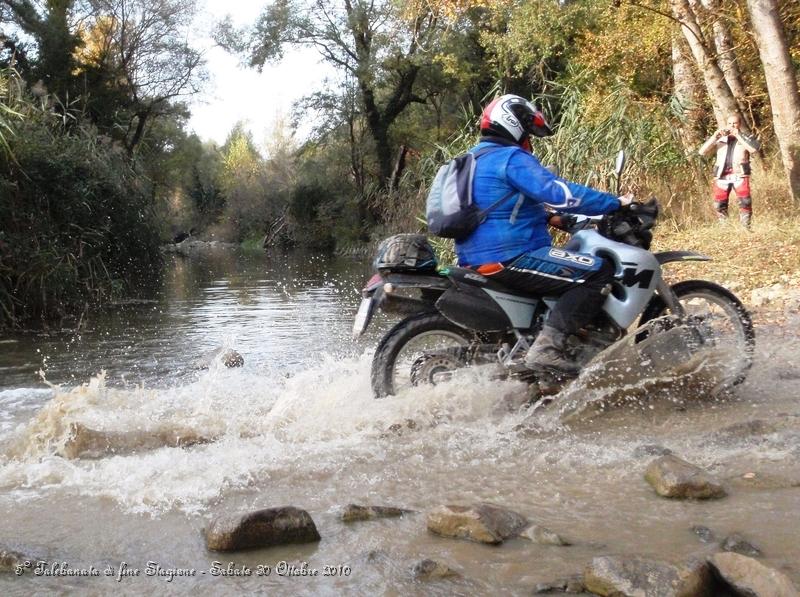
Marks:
<point>630,277</point>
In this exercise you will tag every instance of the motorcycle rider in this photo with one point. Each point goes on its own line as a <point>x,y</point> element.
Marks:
<point>513,245</point>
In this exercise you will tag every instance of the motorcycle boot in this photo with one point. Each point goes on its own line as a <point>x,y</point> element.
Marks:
<point>745,218</point>
<point>548,353</point>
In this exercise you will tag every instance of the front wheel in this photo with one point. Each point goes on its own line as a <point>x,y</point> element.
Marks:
<point>419,349</point>
<point>722,319</point>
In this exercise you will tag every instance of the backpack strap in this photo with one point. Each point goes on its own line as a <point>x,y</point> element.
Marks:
<point>485,212</point>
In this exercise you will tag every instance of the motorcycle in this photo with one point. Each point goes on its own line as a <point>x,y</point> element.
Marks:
<point>455,317</point>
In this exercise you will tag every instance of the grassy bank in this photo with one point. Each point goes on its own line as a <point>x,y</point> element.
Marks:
<point>769,254</point>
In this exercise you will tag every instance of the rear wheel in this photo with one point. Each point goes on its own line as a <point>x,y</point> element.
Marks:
<point>420,349</point>
<point>721,318</point>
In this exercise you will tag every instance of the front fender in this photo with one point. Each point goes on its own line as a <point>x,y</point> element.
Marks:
<point>669,256</point>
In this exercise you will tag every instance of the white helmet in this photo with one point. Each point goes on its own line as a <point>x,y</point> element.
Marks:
<point>514,118</point>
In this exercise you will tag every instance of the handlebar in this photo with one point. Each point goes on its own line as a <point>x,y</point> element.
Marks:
<point>630,225</point>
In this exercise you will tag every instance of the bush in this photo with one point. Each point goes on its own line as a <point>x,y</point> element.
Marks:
<point>313,215</point>
<point>77,226</point>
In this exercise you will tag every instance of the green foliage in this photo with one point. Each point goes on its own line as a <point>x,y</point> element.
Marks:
<point>7,112</point>
<point>535,41</point>
<point>310,208</point>
<point>78,225</point>
<point>590,131</point>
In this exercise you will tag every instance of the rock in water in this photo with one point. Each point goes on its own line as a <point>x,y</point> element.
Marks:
<point>750,577</point>
<point>675,478</point>
<point>431,569</point>
<point>11,558</point>
<point>354,512</point>
<point>227,356</point>
<point>705,534</point>
<point>85,442</point>
<point>263,528</point>
<point>651,450</point>
<point>543,536</point>
<point>738,544</point>
<point>484,523</point>
<point>572,585</point>
<point>637,577</point>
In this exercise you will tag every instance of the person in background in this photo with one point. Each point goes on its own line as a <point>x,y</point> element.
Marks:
<point>513,245</point>
<point>732,168</point>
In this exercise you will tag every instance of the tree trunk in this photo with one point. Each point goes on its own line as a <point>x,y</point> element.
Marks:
<point>726,58</point>
<point>722,98</point>
<point>779,72</point>
<point>141,121</point>
<point>688,93</point>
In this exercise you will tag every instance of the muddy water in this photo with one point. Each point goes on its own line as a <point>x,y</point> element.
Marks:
<point>297,426</point>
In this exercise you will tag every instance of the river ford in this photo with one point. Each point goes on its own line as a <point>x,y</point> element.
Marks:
<point>297,425</point>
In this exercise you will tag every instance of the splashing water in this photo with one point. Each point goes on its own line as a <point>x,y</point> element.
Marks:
<point>108,471</point>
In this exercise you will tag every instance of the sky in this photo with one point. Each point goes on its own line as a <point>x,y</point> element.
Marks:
<point>235,92</point>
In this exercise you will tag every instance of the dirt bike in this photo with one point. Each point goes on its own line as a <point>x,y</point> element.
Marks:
<point>456,317</point>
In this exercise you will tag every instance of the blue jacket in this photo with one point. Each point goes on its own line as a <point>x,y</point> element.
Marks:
<point>511,168</point>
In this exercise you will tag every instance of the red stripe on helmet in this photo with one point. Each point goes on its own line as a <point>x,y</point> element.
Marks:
<point>486,119</point>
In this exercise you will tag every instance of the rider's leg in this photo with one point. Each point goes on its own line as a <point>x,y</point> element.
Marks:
<point>581,303</point>
<point>722,191</point>
<point>745,202</point>
<point>577,279</point>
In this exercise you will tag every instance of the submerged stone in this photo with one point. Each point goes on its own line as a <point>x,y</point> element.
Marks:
<point>543,536</point>
<point>262,528</point>
<point>750,577</point>
<point>735,542</point>
<point>226,356</point>
<point>355,512</point>
<point>428,569</point>
<point>483,523</point>
<point>11,559</point>
<point>705,534</point>
<point>651,450</point>
<point>675,478</point>
<point>572,586</point>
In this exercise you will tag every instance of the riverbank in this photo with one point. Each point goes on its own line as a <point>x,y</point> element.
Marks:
<point>742,260</point>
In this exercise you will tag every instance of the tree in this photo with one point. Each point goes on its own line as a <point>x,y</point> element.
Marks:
<point>704,52</point>
<point>781,79</point>
<point>725,54</point>
<point>51,25</point>
<point>382,48</point>
<point>244,184</point>
<point>687,92</point>
<point>140,47</point>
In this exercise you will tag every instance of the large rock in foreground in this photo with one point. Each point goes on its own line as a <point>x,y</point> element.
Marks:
<point>675,478</point>
<point>750,577</point>
<point>637,577</point>
<point>484,523</point>
<point>263,528</point>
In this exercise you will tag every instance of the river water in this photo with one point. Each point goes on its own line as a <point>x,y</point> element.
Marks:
<point>297,425</point>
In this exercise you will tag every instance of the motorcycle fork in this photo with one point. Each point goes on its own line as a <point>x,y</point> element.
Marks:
<point>670,299</point>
